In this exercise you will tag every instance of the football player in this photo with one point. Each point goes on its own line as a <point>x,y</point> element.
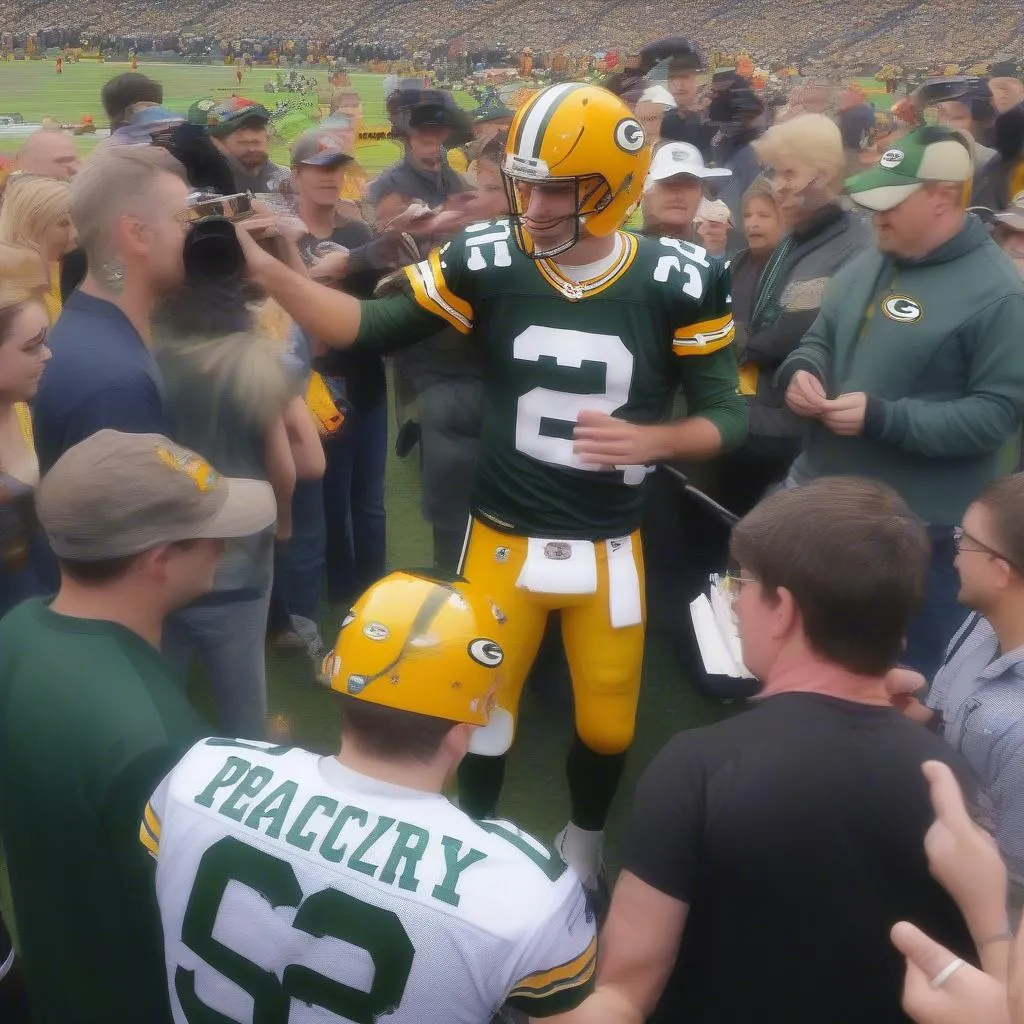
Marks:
<point>294,887</point>
<point>586,333</point>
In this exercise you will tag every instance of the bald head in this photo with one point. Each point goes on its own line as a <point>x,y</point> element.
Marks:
<point>51,153</point>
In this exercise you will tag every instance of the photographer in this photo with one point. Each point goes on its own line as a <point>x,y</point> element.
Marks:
<point>238,128</point>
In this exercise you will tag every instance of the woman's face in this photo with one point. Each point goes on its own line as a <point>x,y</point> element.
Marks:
<point>762,225</point>
<point>23,353</point>
<point>58,239</point>
<point>797,188</point>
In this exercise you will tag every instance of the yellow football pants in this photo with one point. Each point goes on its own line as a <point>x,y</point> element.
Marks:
<point>605,661</point>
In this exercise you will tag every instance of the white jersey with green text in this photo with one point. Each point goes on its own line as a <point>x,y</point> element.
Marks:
<point>293,890</point>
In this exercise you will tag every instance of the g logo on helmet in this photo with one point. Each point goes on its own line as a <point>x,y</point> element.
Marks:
<point>629,135</point>
<point>486,652</point>
<point>902,309</point>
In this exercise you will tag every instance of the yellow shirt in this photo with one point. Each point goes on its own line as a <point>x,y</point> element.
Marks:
<point>52,299</point>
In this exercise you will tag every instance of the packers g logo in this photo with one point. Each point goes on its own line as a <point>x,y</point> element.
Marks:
<point>902,310</point>
<point>629,135</point>
<point>486,652</point>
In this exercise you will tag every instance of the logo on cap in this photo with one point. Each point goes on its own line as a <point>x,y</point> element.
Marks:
<point>486,652</point>
<point>902,309</point>
<point>629,135</point>
<point>891,158</point>
<point>198,470</point>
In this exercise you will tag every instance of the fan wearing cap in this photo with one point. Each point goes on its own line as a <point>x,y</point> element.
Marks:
<point>674,189</point>
<point>650,109</point>
<point>363,859</point>
<point>94,716</point>
<point>428,122</point>
<point>913,372</point>
<point>238,128</point>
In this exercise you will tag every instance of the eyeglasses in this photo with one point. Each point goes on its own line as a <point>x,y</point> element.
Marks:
<point>731,583</point>
<point>960,535</point>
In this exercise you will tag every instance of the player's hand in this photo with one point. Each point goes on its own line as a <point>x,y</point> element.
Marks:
<point>968,996</point>
<point>333,267</point>
<point>845,415</point>
<point>257,259</point>
<point>963,857</point>
<point>603,440</point>
<point>805,394</point>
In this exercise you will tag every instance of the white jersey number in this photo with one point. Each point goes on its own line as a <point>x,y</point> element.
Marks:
<point>328,913</point>
<point>569,348</point>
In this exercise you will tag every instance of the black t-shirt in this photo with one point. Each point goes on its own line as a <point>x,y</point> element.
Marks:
<point>795,833</point>
<point>365,384</point>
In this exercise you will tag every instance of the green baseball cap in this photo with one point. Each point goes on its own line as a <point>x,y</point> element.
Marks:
<point>926,154</point>
<point>199,112</point>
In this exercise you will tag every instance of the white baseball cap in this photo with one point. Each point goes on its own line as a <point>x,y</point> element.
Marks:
<point>675,158</point>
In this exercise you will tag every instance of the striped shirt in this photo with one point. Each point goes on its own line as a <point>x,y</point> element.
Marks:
<point>978,695</point>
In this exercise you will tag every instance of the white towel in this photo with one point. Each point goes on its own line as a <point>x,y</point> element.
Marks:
<point>559,567</point>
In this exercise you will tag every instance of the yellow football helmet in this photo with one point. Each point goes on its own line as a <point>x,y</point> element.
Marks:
<point>583,134</point>
<point>429,646</point>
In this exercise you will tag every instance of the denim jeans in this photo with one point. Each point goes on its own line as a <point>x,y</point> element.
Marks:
<point>229,637</point>
<point>941,615</point>
<point>353,490</point>
<point>307,549</point>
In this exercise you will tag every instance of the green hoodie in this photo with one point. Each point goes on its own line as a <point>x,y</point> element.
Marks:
<point>937,344</point>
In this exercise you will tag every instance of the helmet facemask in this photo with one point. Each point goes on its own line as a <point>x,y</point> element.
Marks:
<point>592,194</point>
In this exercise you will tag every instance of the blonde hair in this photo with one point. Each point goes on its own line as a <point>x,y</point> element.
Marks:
<point>32,204</point>
<point>22,277</point>
<point>112,182</point>
<point>814,139</point>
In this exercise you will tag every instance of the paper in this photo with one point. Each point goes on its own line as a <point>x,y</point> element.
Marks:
<point>717,639</point>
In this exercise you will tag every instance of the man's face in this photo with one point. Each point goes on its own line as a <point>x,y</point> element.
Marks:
<point>425,146</point>
<point>673,202</point>
<point>983,576</point>
<point>154,240</point>
<point>758,626</point>
<point>249,146</point>
<point>549,212</point>
<point>650,115</point>
<point>683,85</point>
<point>954,114</point>
<point>489,200</point>
<point>899,230</point>
<point>1006,93</point>
<point>319,186</point>
<point>51,154</point>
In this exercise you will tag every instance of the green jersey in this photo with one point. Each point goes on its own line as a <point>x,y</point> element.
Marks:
<point>92,719</point>
<point>622,342</point>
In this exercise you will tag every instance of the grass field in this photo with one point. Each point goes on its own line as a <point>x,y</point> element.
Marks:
<point>535,792</point>
<point>34,90</point>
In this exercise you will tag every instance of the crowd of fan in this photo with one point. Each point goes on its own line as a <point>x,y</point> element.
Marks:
<point>802,30</point>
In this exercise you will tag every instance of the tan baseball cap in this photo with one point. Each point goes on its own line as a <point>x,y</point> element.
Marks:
<point>114,495</point>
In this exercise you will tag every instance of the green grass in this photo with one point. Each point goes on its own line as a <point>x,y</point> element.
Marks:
<point>535,793</point>
<point>35,90</point>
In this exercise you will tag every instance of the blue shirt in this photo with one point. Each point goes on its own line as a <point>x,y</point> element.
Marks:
<point>978,695</point>
<point>101,375</point>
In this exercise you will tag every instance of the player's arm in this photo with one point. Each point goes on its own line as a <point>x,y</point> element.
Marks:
<point>339,320</point>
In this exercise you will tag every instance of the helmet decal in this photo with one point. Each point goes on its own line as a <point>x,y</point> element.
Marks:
<point>629,135</point>
<point>486,652</point>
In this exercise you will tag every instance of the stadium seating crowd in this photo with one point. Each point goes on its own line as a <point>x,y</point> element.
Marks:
<point>877,31</point>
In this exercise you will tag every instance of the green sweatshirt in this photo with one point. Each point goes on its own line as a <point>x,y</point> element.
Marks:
<point>937,344</point>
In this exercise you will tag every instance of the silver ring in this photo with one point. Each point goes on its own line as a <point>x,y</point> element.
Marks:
<point>946,973</point>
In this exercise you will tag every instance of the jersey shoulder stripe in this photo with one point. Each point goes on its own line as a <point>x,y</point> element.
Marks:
<point>149,830</point>
<point>701,339</point>
<point>432,293</point>
<point>571,974</point>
